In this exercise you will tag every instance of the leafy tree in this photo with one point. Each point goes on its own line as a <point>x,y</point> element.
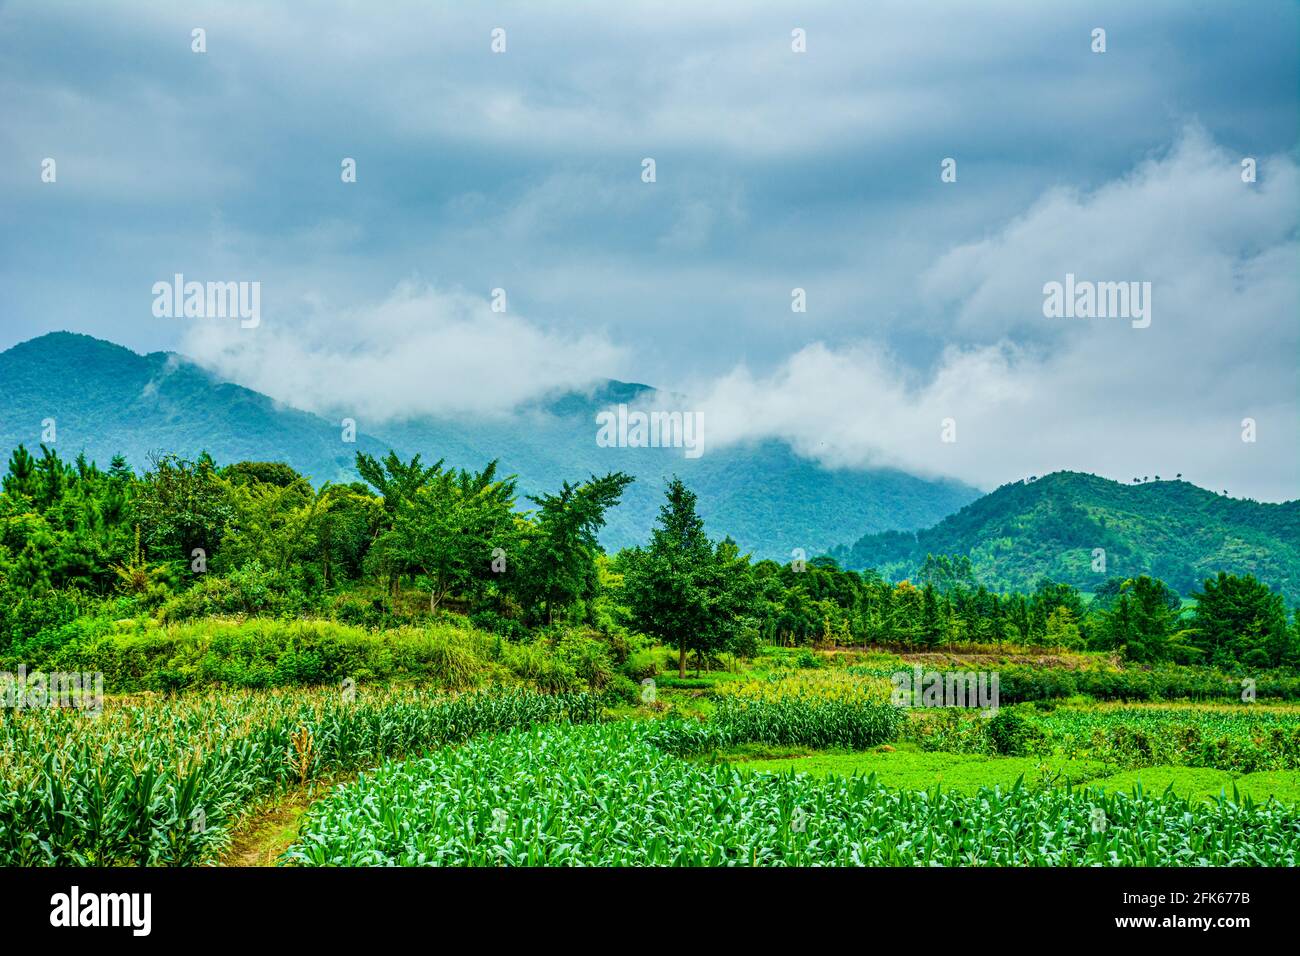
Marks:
<point>447,529</point>
<point>1141,623</point>
<point>557,565</point>
<point>183,505</point>
<point>1237,617</point>
<point>932,625</point>
<point>1063,628</point>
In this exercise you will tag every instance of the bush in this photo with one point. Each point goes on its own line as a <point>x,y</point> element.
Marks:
<point>249,590</point>
<point>588,658</point>
<point>26,615</point>
<point>642,664</point>
<point>746,643</point>
<point>1019,683</point>
<point>494,622</point>
<point>808,660</point>
<point>1012,733</point>
<point>535,664</point>
<point>621,689</point>
<point>269,652</point>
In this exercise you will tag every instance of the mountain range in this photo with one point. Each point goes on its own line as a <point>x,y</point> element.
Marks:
<point>105,399</point>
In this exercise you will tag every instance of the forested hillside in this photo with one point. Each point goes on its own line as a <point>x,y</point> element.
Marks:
<point>1050,527</point>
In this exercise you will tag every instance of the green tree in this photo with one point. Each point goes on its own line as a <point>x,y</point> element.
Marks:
<point>557,564</point>
<point>1141,621</point>
<point>682,589</point>
<point>448,528</point>
<point>183,505</point>
<point>1238,618</point>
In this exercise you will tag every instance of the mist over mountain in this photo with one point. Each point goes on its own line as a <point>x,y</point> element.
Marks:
<point>106,400</point>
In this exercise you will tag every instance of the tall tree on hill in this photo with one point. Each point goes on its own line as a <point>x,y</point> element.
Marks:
<point>682,589</point>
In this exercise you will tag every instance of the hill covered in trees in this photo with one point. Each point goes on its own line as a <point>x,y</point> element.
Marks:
<point>1050,527</point>
<point>107,400</point>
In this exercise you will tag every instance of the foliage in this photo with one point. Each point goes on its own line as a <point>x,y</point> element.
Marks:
<point>1238,739</point>
<point>1050,527</point>
<point>683,589</point>
<point>525,799</point>
<point>162,782</point>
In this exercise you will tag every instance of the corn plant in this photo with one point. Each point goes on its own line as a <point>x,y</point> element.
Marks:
<point>125,787</point>
<point>609,795</point>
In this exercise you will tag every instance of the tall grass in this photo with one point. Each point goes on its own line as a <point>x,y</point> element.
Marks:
<point>141,654</point>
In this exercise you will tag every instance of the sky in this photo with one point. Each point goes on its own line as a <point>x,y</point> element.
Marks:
<point>774,170</point>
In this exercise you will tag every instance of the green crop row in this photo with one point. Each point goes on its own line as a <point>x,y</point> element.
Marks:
<point>161,783</point>
<point>609,795</point>
<point>1241,739</point>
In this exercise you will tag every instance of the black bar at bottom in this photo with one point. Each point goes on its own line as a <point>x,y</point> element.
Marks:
<point>333,906</point>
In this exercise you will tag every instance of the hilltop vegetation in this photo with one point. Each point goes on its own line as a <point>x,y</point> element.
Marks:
<point>1050,527</point>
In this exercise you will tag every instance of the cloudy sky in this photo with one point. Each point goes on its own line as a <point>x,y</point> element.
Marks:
<point>775,170</point>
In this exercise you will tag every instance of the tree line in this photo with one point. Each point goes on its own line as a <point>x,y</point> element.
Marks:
<point>257,537</point>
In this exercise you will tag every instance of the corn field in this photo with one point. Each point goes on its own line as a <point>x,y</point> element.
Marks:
<point>162,782</point>
<point>1241,739</point>
<point>608,795</point>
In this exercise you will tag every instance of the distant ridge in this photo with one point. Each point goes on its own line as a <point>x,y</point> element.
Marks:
<point>106,399</point>
<point>1049,527</point>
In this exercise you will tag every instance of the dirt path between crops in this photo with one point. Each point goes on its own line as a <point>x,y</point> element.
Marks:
<point>268,831</point>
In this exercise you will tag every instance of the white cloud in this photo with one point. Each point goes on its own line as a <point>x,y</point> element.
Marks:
<point>419,352</point>
<point>1093,395</point>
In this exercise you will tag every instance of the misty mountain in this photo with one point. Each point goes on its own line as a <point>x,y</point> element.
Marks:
<point>105,399</point>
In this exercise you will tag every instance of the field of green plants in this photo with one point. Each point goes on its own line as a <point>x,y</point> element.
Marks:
<point>783,759</point>
<point>160,782</point>
<point>611,795</point>
<point>1242,739</point>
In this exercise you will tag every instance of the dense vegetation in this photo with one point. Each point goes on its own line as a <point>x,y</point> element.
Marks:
<point>455,618</point>
<point>610,795</point>
<point>126,572</point>
<point>1051,526</point>
<point>1240,740</point>
<point>161,783</point>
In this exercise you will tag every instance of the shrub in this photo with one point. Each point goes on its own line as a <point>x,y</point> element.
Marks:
<point>588,658</point>
<point>621,689</point>
<point>642,664</point>
<point>1012,733</point>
